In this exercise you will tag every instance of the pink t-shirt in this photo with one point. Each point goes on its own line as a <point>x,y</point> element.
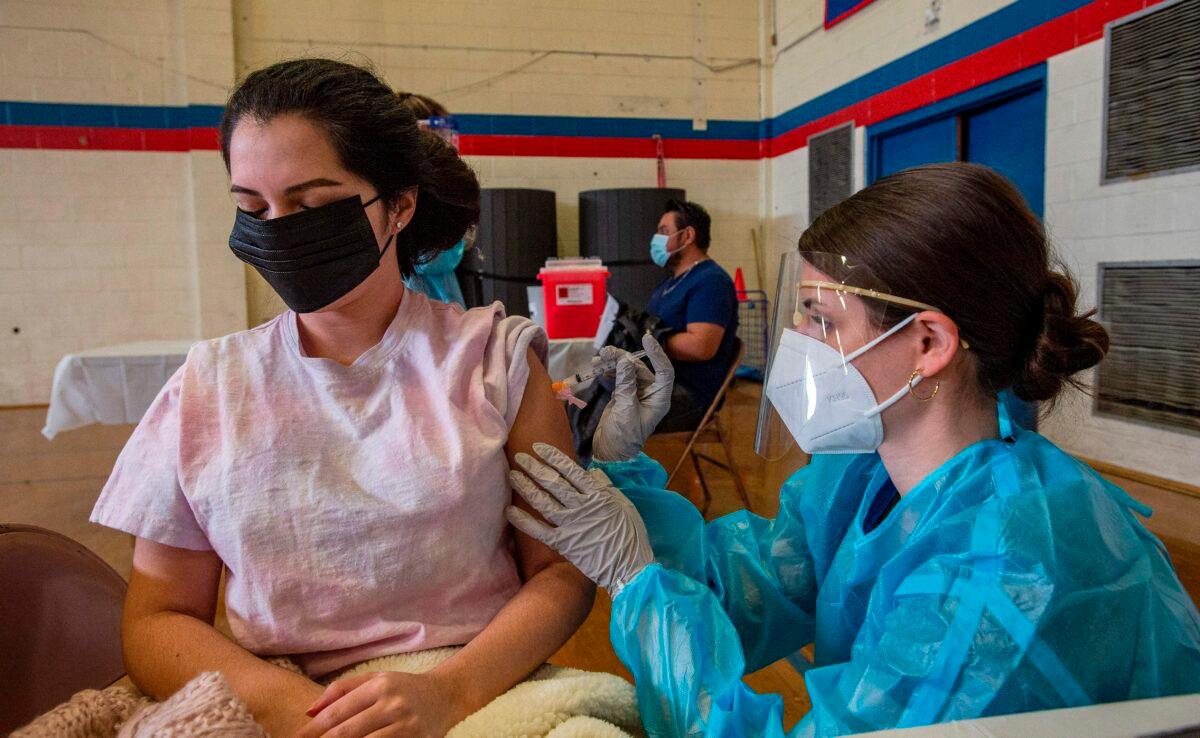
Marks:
<point>359,509</point>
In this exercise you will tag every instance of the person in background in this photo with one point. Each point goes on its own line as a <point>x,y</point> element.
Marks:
<point>422,106</point>
<point>699,301</point>
<point>434,278</point>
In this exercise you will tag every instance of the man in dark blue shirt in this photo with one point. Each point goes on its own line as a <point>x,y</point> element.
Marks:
<point>700,302</point>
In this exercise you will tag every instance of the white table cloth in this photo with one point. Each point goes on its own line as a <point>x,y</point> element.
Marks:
<point>110,385</point>
<point>569,356</point>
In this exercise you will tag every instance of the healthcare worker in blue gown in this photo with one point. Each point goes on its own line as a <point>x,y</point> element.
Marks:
<point>944,563</point>
<point>436,278</point>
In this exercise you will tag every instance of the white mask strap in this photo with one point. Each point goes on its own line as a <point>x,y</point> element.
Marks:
<point>872,344</point>
<point>894,398</point>
<point>903,390</point>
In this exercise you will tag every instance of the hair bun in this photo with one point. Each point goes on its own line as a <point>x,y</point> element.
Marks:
<point>1066,344</point>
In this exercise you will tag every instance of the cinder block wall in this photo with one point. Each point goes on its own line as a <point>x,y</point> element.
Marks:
<point>114,211</point>
<point>551,58</point>
<point>106,237</point>
<point>1150,219</point>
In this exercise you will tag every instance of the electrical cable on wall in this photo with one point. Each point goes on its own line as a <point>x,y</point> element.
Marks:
<point>540,55</point>
<point>734,62</point>
<point>796,41</point>
<point>156,62</point>
<point>495,77</point>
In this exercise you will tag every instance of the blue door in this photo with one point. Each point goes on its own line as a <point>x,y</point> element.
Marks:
<point>924,143</point>
<point>1001,124</point>
<point>1010,137</point>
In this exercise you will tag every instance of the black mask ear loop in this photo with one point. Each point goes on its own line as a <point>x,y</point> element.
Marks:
<point>392,237</point>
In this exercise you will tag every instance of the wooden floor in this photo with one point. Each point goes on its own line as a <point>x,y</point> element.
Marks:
<point>54,485</point>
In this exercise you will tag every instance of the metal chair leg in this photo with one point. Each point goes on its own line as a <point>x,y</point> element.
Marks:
<point>733,468</point>
<point>687,450</point>
<point>703,484</point>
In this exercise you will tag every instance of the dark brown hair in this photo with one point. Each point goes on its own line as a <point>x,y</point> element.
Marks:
<point>691,215</point>
<point>961,238</point>
<point>422,106</point>
<point>376,137</point>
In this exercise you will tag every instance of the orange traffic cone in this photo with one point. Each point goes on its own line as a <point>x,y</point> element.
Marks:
<point>739,284</point>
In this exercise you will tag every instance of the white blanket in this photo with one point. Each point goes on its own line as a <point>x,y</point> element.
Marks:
<point>554,702</point>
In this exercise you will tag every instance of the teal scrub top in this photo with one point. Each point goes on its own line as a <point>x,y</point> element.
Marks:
<point>436,278</point>
<point>1013,578</point>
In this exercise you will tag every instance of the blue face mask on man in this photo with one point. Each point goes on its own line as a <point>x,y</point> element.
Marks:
<point>658,249</point>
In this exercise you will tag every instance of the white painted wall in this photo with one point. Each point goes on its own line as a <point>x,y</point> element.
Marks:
<point>532,57</point>
<point>824,60</point>
<point>99,248</point>
<point>105,247</point>
<point>620,58</point>
<point>1154,218</point>
<point>1150,219</point>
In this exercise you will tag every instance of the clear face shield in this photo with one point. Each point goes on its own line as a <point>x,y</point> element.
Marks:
<point>829,311</point>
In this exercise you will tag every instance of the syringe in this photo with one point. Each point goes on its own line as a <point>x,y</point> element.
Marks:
<point>597,369</point>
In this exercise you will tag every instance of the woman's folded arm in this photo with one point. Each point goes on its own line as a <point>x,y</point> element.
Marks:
<point>168,638</point>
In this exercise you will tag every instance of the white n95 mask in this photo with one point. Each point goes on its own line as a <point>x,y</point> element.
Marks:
<point>824,401</point>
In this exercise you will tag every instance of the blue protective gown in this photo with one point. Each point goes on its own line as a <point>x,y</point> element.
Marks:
<point>436,278</point>
<point>1013,578</point>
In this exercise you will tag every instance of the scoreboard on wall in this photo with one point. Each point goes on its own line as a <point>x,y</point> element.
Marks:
<point>837,11</point>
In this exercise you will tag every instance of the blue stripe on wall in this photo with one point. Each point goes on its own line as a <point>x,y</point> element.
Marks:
<point>1003,24</point>
<point>109,116</point>
<point>990,30</point>
<point>562,125</point>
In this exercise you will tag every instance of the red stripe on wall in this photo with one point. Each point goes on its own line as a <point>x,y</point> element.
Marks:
<point>18,137</point>
<point>169,139</point>
<point>847,13</point>
<point>204,139</point>
<point>1034,46</point>
<point>1011,55</point>
<point>77,138</point>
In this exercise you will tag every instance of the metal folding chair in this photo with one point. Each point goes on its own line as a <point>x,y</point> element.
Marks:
<point>710,431</point>
<point>60,622</point>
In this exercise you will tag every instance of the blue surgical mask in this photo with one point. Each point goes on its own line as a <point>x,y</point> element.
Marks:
<point>658,249</point>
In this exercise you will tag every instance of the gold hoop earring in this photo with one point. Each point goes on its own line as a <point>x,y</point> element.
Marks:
<point>912,389</point>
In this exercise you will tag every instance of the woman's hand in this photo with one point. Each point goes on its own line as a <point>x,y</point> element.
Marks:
<point>595,527</point>
<point>640,400</point>
<point>385,704</point>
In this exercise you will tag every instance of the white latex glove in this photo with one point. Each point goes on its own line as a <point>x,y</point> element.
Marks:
<point>640,400</point>
<point>595,527</point>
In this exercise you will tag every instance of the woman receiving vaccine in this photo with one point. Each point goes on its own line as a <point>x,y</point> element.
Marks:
<point>344,464</point>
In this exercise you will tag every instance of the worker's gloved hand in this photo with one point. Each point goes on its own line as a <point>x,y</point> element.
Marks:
<point>595,527</point>
<point>640,400</point>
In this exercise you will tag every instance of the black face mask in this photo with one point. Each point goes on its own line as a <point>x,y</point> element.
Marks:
<point>313,257</point>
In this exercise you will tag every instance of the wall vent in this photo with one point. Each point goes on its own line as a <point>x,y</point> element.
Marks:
<point>1152,92</point>
<point>1152,371</point>
<point>830,176</point>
